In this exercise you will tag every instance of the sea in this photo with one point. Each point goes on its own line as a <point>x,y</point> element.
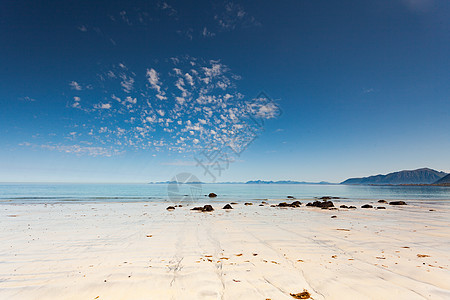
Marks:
<point>46,193</point>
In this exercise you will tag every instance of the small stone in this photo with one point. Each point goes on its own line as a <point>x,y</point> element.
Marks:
<point>381,207</point>
<point>382,201</point>
<point>290,197</point>
<point>303,295</point>
<point>367,206</point>
<point>248,203</point>
<point>212,195</point>
<point>343,206</point>
<point>207,208</point>
<point>170,208</point>
<point>228,206</point>
<point>333,217</point>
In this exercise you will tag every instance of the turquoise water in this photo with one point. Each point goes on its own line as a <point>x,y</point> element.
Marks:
<point>16,193</point>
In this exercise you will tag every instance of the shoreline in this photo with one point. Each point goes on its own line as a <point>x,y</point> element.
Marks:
<point>139,250</point>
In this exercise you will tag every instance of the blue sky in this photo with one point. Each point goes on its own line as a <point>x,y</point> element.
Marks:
<point>138,91</point>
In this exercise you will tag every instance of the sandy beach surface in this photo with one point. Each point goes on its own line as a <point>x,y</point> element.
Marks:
<point>142,251</point>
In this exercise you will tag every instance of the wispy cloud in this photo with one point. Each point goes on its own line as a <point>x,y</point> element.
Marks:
<point>207,33</point>
<point>75,149</point>
<point>187,33</point>
<point>233,15</point>
<point>167,8</point>
<point>368,90</point>
<point>27,98</point>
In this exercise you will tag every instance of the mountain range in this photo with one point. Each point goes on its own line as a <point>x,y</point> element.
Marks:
<point>423,176</point>
<point>419,176</point>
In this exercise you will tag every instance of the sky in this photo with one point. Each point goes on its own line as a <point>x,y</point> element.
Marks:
<point>140,91</point>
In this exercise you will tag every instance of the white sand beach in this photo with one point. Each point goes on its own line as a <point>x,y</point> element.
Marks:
<point>142,251</point>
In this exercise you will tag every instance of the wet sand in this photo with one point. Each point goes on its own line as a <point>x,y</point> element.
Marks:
<point>142,251</point>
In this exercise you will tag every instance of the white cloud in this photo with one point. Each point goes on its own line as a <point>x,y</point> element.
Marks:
<point>82,28</point>
<point>131,100</point>
<point>103,106</point>
<point>180,100</point>
<point>150,119</point>
<point>202,106</point>
<point>189,78</point>
<point>127,83</point>
<point>153,79</point>
<point>75,86</point>
<point>207,33</point>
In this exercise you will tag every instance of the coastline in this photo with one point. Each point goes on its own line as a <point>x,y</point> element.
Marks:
<point>139,250</point>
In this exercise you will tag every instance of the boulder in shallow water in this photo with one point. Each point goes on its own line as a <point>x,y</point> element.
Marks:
<point>367,206</point>
<point>397,203</point>
<point>381,207</point>
<point>343,206</point>
<point>290,197</point>
<point>212,195</point>
<point>170,208</point>
<point>228,206</point>
<point>382,201</point>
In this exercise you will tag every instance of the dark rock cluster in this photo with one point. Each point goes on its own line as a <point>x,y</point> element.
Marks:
<point>293,204</point>
<point>322,204</point>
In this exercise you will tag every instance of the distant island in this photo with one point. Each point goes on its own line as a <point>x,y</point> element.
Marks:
<point>285,182</point>
<point>423,176</point>
<point>247,182</point>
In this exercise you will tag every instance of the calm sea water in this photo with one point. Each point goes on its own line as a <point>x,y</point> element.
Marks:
<point>15,193</point>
